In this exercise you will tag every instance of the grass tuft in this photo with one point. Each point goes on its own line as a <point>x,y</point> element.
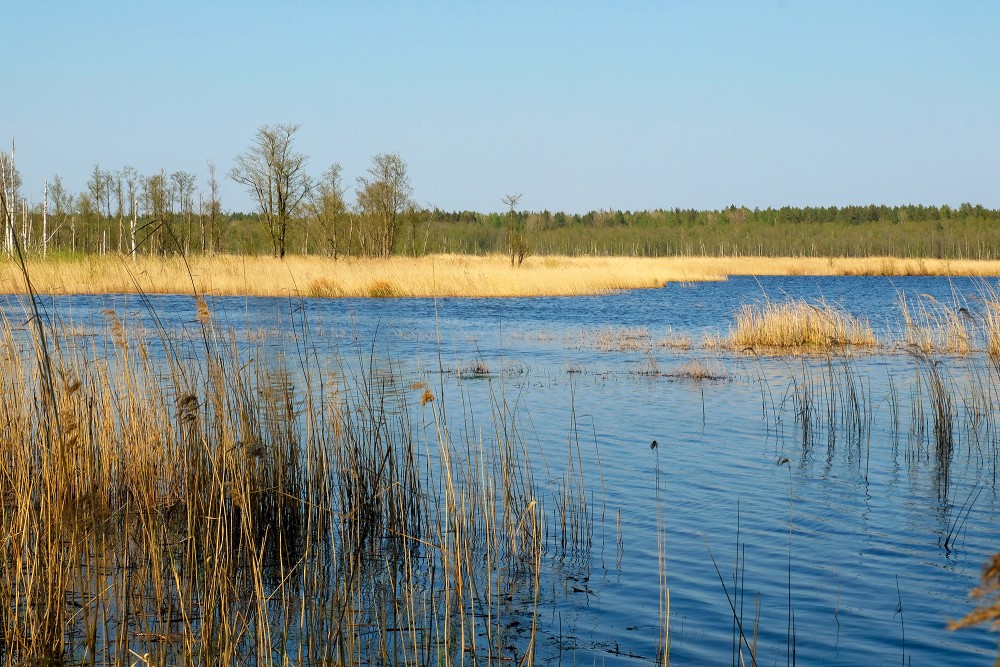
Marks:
<point>323,288</point>
<point>698,370</point>
<point>382,289</point>
<point>799,326</point>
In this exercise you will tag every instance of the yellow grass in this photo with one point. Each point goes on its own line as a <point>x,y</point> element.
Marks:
<point>435,275</point>
<point>799,325</point>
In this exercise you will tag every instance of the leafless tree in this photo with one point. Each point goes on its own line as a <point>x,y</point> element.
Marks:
<point>10,186</point>
<point>62,210</point>
<point>213,213</point>
<point>382,196</point>
<point>517,244</point>
<point>275,175</point>
<point>132,181</point>
<point>155,201</point>
<point>182,184</point>
<point>328,207</point>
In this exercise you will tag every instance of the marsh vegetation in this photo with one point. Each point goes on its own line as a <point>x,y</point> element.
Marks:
<point>358,481</point>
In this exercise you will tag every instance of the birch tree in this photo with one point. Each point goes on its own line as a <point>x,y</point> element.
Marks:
<point>275,174</point>
<point>132,180</point>
<point>382,196</point>
<point>329,208</point>
<point>10,186</point>
<point>214,212</point>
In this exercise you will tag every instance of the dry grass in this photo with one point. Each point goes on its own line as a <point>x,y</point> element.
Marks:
<point>798,326</point>
<point>932,327</point>
<point>207,506</point>
<point>435,275</point>
<point>675,341</point>
<point>697,369</point>
<point>988,613</point>
<point>622,339</point>
<point>832,266</point>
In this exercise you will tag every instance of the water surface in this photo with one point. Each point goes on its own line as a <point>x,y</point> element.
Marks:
<point>866,535</point>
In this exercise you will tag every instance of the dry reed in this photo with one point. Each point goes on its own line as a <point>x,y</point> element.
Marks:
<point>798,326</point>
<point>696,369</point>
<point>169,506</point>
<point>436,275</point>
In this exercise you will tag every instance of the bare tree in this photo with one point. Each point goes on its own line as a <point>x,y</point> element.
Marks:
<point>275,175</point>
<point>214,212</point>
<point>99,195</point>
<point>183,184</point>
<point>132,181</point>
<point>155,200</point>
<point>45,221</point>
<point>517,244</point>
<point>118,187</point>
<point>62,205</point>
<point>87,212</point>
<point>328,207</point>
<point>10,185</point>
<point>382,196</point>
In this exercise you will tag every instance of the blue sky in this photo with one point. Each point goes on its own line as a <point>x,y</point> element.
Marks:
<point>577,105</point>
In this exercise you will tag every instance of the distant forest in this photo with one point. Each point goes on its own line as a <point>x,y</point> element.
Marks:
<point>169,213</point>
<point>966,232</point>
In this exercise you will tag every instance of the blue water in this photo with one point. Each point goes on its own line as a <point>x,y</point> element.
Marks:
<point>848,533</point>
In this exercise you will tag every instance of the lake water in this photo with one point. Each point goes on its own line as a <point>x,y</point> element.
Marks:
<point>815,483</point>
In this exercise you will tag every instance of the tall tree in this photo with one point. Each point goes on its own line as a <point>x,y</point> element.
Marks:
<point>155,200</point>
<point>517,244</point>
<point>132,181</point>
<point>328,207</point>
<point>183,185</point>
<point>214,212</point>
<point>275,175</point>
<point>10,185</point>
<point>118,186</point>
<point>382,196</point>
<point>62,211</point>
<point>99,191</point>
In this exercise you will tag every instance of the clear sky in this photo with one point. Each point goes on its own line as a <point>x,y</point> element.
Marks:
<point>577,105</point>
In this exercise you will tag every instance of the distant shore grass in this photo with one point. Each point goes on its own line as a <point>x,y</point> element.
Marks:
<point>435,275</point>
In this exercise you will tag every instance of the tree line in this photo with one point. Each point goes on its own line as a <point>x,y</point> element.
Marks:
<point>123,211</point>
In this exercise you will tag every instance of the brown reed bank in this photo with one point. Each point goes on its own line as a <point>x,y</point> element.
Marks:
<point>433,275</point>
<point>209,505</point>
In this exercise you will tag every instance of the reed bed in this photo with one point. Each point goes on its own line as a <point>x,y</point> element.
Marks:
<point>207,506</point>
<point>799,326</point>
<point>933,327</point>
<point>435,275</point>
<point>320,277</point>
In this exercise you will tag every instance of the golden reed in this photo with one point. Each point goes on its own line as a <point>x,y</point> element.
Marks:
<point>434,275</point>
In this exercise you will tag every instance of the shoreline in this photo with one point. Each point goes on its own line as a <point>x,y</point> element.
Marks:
<point>462,276</point>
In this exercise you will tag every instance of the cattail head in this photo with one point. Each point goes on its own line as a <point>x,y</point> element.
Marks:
<point>204,315</point>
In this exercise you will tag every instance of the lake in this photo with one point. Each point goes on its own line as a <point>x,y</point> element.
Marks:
<point>840,530</point>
